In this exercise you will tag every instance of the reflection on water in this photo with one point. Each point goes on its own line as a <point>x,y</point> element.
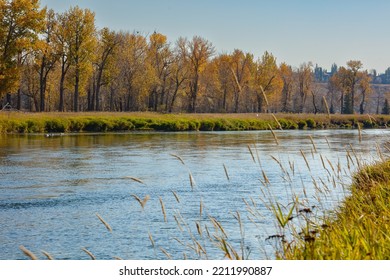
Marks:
<point>51,188</point>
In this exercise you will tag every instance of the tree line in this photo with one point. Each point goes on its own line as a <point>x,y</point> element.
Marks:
<point>61,62</point>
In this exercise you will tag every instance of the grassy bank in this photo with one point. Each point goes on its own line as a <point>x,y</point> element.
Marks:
<point>14,122</point>
<point>360,227</point>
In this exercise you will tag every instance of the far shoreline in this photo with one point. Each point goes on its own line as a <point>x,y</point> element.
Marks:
<point>102,122</point>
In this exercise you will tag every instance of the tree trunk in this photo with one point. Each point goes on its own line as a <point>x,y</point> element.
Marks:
<point>362,103</point>
<point>42,85</point>
<point>19,99</point>
<point>97,87</point>
<point>76,91</point>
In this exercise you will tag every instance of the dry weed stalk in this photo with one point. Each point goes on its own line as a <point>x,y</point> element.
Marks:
<point>277,122</point>
<point>104,222</point>
<point>360,132</point>
<point>326,106</point>
<point>151,239</point>
<point>163,209</point>
<point>142,202</point>
<point>304,157</point>
<point>179,158</point>
<point>47,255</point>
<point>226,172</point>
<point>169,256</point>
<point>176,196</point>
<point>312,142</point>
<point>250,151</point>
<point>28,253</point>
<point>192,181</point>
<point>274,135</point>
<point>89,253</point>
<point>135,180</point>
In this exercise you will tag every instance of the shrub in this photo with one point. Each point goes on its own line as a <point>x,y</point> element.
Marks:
<point>98,125</point>
<point>206,125</point>
<point>194,125</point>
<point>302,124</point>
<point>55,125</point>
<point>369,124</point>
<point>76,125</point>
<point>122,125</point>
<point>311,123</point>
<point>288,124</point>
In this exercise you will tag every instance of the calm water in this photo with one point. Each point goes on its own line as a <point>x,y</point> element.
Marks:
<point>52,188</point>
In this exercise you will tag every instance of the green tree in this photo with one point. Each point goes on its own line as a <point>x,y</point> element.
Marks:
<point>287,76</point>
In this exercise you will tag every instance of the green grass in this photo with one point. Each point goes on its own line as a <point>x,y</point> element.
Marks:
<point>13,122</point>
<point>359,228</point>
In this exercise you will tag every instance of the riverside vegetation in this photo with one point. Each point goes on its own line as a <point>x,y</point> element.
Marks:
<point>16,122</point>
<point>358,229</point>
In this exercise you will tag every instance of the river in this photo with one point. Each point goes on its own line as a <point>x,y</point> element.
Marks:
<point>52,189</point>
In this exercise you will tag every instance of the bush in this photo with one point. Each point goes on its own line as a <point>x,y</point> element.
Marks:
<point>369,124</point>
<point>98,125</point>
<point>206,125</point>
<point>311,123</point>
<point>194,125</point>
<point>288,124</point>
<point>122,125</point>
<point>302,124</point>
<point>34,126</point>
<point>76,125</point>
<point>55,125</point>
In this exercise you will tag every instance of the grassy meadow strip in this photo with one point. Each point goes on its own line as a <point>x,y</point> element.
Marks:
<point>17,122</point>
<point>359,228</point>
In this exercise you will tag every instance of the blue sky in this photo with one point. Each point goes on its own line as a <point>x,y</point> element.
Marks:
<point>295,31</point>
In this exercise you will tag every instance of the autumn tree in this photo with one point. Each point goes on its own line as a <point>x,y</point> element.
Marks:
<point>348,80</point>
<point>161,59</point>
<point>365,89</point>
<point>305,81</point>
<point>178,78</point>
<point>108,41</point>
<point>46,56</point>
<point>62,40</point>
<point>339,82</point>
<point>267,81</point>
<point>134,75</point>
<point>240,68</point>
<point>20,23</point>
<point>82,31</point>
<point>225,82</point>
<point>196,53</point>
<point>353,75</point>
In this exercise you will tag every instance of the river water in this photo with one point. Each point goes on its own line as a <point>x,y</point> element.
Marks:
<point>51,189</point>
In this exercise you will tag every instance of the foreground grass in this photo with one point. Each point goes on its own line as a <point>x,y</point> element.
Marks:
<point>360,228</point>
<point>14,122</point>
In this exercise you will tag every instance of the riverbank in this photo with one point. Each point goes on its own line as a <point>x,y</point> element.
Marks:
<point>17,122</point>
<point>359,229</point>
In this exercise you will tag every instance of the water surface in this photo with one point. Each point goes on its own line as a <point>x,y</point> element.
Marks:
<point>52,187</point>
